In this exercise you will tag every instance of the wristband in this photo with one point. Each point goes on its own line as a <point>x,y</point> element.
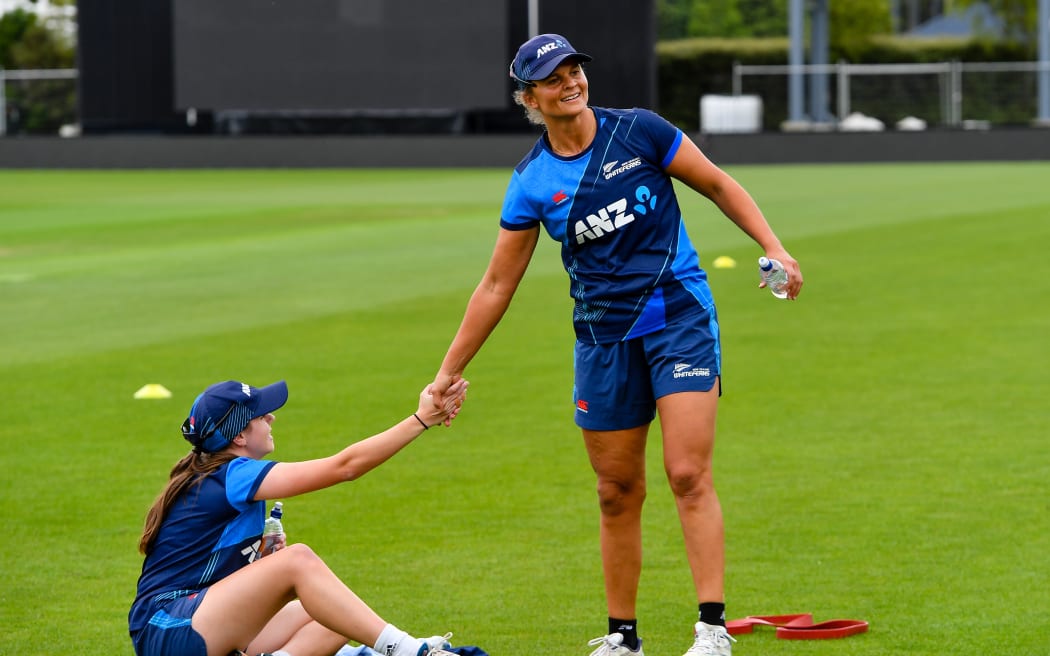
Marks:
<point>421,422</point>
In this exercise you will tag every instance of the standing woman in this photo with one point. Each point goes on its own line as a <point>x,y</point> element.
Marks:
<point>207,590</point>
<point>599,181</point>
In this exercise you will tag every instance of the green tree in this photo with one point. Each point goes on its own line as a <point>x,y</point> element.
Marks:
<point>39,47</point>
<point>13,25</point>
<point>853,22</point>
<point>717,18</point>
<point>1020,18</point>
<point>765,18</point>
<point>672,19</point>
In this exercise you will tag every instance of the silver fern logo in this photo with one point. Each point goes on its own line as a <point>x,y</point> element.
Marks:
<point>685,370</point>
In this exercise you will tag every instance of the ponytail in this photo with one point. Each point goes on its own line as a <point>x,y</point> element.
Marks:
<point>191,469</point>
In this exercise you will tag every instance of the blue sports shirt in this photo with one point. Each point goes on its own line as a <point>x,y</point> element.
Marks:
<point>211,531</point>
<point>631,265</point>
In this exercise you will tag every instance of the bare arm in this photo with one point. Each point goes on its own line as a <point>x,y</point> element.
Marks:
<point>694,169</point>
<point>288,479</point>
<point>488,303</point>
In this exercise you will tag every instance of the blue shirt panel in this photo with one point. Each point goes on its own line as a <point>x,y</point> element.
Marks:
<point>211,531</point>
<point>613,208</point>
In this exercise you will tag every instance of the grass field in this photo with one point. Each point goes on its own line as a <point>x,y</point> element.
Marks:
<point>879,453</point>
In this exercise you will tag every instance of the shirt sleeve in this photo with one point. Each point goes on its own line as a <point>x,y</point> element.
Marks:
<point>665,137</point>
<point>243,478</point>
<point>517,213</point>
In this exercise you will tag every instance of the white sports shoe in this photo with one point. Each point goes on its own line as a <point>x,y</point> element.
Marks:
<point>612,645</point>
<point>710,640</point>
<point>436,646</point>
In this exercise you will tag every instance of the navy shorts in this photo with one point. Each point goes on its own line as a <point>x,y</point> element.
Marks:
<point>616,385</point>
<point>170,631</point>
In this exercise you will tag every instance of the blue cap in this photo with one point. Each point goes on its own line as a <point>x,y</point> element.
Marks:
<point>222,411</point>
<point>539,56</point>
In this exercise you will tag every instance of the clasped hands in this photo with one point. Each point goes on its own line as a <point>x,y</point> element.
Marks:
<point>441,401</point>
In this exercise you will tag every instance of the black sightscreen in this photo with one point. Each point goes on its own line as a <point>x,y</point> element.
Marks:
<point>125,62</point>
<point>340,55</point>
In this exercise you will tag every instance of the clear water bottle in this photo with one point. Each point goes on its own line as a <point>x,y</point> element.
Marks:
<point>774,275</point>
<point>273,530</point>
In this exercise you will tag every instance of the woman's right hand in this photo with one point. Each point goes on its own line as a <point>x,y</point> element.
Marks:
<point>440,401</point>
<point>274,543</point>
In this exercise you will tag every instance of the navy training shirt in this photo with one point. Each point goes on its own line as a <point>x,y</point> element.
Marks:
<point>212,530</point>
<point>631,264</point>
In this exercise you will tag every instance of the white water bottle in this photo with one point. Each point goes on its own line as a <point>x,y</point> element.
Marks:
<point>774,275</point>
<point>273,530</point>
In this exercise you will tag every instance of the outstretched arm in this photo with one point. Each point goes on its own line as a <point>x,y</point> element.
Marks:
<point>487,304</point>
<point>288,479</point>
<point>694,169</point>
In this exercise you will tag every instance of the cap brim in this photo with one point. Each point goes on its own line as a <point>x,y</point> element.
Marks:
<point>548,67</point>
<point>270,398</point>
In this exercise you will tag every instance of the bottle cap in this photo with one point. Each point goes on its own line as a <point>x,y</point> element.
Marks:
<point>277,509</point>
<point>764,264</point>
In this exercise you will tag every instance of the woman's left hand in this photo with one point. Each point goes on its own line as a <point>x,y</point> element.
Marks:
<point>794,273</point>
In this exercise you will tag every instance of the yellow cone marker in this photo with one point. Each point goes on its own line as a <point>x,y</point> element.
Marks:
<point>724,262</point>
<point>153,391</point>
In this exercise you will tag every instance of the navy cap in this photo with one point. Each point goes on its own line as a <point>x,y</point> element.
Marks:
<point>539,56</point>
<point>223,410</point>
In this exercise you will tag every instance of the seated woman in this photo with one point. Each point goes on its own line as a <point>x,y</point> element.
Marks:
<point>205,587</point>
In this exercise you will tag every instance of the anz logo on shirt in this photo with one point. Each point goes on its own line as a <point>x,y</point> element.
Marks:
<point>614,216</point>
<point>252,551</point>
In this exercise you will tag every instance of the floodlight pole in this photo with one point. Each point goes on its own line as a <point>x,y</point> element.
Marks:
<point>3,103</point>
<point>818,56</point>
<point>534,18</point>
<point>1044,62</point>
<point>796,60</point>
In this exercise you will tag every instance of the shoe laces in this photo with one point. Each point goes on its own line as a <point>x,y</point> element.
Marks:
<point>711,641</point>
<point>607,644</point>
<point>436,645</point>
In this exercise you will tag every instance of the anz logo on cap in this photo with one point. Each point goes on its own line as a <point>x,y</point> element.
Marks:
<point>547,47</point>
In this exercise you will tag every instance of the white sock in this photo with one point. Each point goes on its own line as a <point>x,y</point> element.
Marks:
<point>395,642</point>
<point>280,652</point>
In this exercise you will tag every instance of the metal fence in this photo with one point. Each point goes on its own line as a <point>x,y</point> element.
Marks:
<point>949,94</point>
<point>45,98</point>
